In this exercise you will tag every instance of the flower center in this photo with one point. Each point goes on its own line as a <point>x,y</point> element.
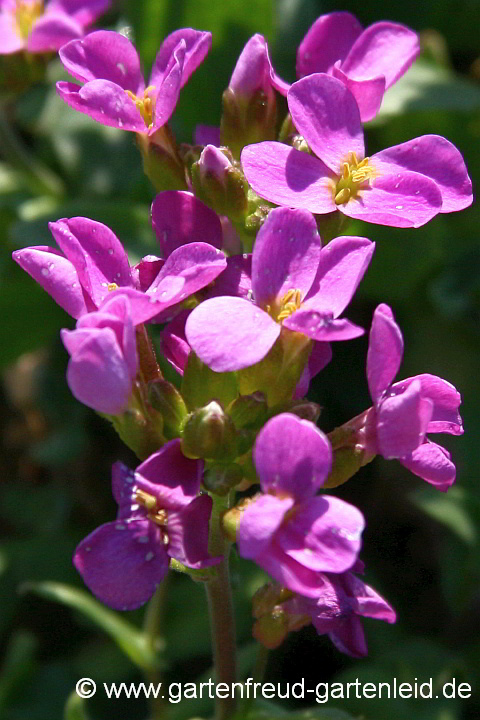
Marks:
<point>290,302</point>
<point>354,175</point>
<point>157,515</point>
<point>145,105</point>
<point>112,286</point>
<point>26,12</point>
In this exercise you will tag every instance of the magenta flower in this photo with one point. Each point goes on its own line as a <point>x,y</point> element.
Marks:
<point>180,218</point>
<point>115,93</point>
<point>92,263</point>
<point>368,62</point>
<point>288,531</point>
<point>28,25</point>
<point>296,285</point>
<point>341,601</point>
<point>160,516</point>
<point>403,186</point>
<point>103,356</point>
<point>253,71</point>
<point>404,412</point>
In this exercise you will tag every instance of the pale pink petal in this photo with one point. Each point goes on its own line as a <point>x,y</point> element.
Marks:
<point>385,352</point>
<point>292,457</point>
<point>368,93</point>
<point>179,218</point>
<point>328,40</point>
<point>285,256</point>
<point>105,102</point>
<point>10,39</point>
<point>229,333</point>
<point>325,112</point>
<point>104,55</point>
<point>384,48</point>
<point>402,422</point>
<point>286,176</point>
<point>343,263</point>
<point>406,199</point>
<point>56,275</point>
<point>438,159</point>
<point>432,463</point>
<point>51,31</point>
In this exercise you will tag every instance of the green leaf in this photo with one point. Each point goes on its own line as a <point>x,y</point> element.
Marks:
<point>128,638</point>
<point>75,708</point>
<point>17,667</point>
<point>451,510</point>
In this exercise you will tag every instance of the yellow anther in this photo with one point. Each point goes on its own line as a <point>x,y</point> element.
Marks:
<point>290,302</point>
<point>112,286</point>
<point>354,173</point>
<point>160,518</point>
<point>26,13</point>
<point>145,105</point>
<point>146,500</point>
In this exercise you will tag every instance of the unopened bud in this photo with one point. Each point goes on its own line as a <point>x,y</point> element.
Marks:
<point>209,433</point>
<point>219,183</point>
<point>271,629</point>
<point>249,411</point>
<point>220,478</point>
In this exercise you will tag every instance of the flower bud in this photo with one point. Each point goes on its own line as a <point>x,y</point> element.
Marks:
<point>249,104</point>
<point>220,478</point>
<point>271,629</point>
<point>209,433</point>
<point>219,183</point>
<point>249,411</point>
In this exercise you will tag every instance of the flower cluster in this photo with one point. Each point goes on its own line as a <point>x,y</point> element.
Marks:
<point>245,297</point>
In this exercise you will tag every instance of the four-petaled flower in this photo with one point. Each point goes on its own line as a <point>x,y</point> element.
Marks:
<point>115,93</point>
<point>296,284</point>
<point>404,412</point>
<point>289,531</point>
<point>160,516</point>
<point>403,186</point>
<point>28,25</point>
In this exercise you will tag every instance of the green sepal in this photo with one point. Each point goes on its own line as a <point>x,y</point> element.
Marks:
<point>220,478</point>
<point>249,411</point>
<point>128,638</point>
<point>210,433</point>
<point>200,385</point>
<point>165,398</point>
<point>347,461</point>
<point>247,120</point>
<point>161,162</point>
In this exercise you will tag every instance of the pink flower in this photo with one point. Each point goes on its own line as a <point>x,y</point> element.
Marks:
<point>28,25</point>
<point>115,93</point>
<point>403,186</point>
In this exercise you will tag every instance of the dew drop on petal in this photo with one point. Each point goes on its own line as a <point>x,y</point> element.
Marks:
<point>122,68</point>
<point>110,251</point>
<point>45,272</point>
<point>398,207</point>
<point>149,556</point>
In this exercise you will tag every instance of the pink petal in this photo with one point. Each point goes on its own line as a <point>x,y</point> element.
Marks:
<point>292,457</point>
<point>343,263</point>
<point>229,333</point>
<point>207,135</point>
<point>120,568</point>
<point>288,572</point>
<point>286,176</point>
<point>252,70</point>
<point>95,252</point>
<point>97,373</point>
<point>349,637</point>
<point>174,343</point>
<point>188,534</point>
<point>328,40</point>
<point>369,602</point>
<point>259,522</point>
<point>285,256</point>
<point>105,102</point>
<point>384,48</point>
<point>197,45</point>
<point>167,88</point>
<point>144,273</point>
<point>385,352</point>
<point>51,31</point>
<point>325,112</point>
<point>10,39</point>
<point>179,218</point>
<point>169,473</point>
<point>438,159</point>
<point>446,401</point>
<point>324,534</point>
<point>406,199</point>
<point>123,482</point>
<point>322,326</point>
<point>104,55</point>
<point>56,275</point>
<point>236,279</point>
<point>402,422</point>
<point>319,358</point>
<point>85,12</point>
<point>432,463</point>
<point>368,93</point>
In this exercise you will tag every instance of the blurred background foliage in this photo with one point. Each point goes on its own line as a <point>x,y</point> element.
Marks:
<point>421,547</point>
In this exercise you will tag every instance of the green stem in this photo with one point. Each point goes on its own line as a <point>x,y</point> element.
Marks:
<point>153,628</point>
<point>39,179</point>
<point>222,619</point>
<point>258,673</point>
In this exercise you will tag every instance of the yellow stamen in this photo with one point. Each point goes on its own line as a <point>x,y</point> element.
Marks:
<point>26,13</point>
<point>290,302</point>
<point>353,175</point>
<point>145,105</point>
<point>146,500</point>
<point>112,286</point>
